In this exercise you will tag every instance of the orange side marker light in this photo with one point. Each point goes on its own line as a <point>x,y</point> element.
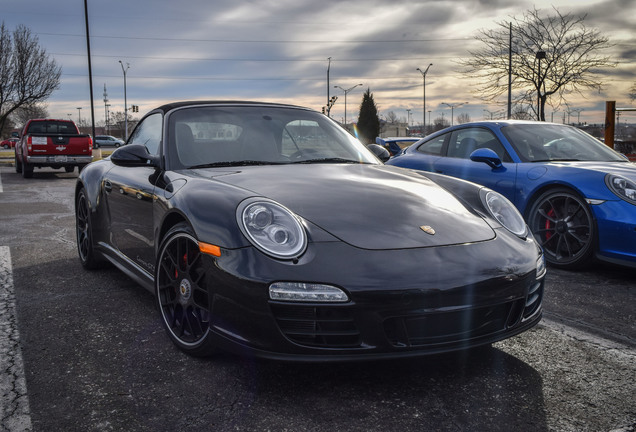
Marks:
<point>210,249</point>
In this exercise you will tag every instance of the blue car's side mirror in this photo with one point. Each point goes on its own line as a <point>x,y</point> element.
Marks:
<point>486,155</point>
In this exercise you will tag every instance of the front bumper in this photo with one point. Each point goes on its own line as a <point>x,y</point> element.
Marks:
<point>616,223</point>
<point>403,303</point>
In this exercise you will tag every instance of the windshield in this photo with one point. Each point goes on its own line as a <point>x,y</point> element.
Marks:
<point>550,142</point>
<point>209,136</point>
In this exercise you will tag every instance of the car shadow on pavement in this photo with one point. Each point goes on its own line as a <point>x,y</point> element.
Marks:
<point>480,389</point>
<point>95,353</point>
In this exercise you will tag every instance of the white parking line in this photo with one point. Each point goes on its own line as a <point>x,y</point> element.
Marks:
<point>1,184</point>
<point>15,415</point>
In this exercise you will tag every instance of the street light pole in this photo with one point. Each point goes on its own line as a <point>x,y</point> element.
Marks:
<point>423,72</point>
<point>452,107</point>
<point>346,92</point>
<point>125,100</point>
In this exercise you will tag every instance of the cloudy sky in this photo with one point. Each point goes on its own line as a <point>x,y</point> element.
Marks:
<point>278,50</point>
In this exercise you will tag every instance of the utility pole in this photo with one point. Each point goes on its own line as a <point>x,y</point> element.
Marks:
<point>105,108</point>
<point>540,56</point>
<point>423,72</point>
<point>328,86</point>
<point>90,71</point>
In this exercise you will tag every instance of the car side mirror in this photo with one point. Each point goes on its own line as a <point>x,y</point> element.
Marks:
<point>488,156</point>
<point>381,153</point>
<point>134,155</point>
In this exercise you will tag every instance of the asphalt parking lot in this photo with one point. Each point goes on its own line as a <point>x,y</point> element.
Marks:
<point>85,351</point>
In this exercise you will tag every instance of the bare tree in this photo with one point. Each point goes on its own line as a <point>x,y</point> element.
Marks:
<point>551,56</point>
<point>391,117</point>
<point>27,75</point>
<point>440,123</point>
<point>632,92</point>
<point>520,113</point>
<point>26,112</point>
<point>463,118</point>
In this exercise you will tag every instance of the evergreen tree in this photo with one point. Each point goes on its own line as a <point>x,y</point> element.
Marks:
<point>368,120</point>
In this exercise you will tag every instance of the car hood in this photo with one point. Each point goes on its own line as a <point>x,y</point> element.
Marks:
<point>626,169</point>
<point>367,206</point>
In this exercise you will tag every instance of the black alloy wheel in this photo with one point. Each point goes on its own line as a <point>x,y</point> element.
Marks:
<point>563,225</point>
<point>84,233</point>
<point>181,292</point>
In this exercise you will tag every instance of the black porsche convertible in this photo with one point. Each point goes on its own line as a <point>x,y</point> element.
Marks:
<point>268,230</point>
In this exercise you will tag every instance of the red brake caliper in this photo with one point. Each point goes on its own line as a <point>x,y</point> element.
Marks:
<point>548,225</point>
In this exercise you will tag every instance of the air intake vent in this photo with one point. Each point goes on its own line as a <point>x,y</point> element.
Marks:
<point>317,326</point>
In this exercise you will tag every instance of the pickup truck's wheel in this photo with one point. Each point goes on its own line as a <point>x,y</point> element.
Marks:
<point>181,292</point>
<point>84,232</point>
<point>18,165</point>
<point>27,170</point>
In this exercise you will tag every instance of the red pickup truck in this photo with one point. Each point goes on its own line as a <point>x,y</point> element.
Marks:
<point>52,143</point>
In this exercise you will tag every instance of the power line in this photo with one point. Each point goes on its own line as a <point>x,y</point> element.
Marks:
<point>296,60</point>
<point>261,41</point>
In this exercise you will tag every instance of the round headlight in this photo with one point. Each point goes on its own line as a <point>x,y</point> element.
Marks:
<point>505,212</point>
<point>272,228</point>
<point>623,187</point>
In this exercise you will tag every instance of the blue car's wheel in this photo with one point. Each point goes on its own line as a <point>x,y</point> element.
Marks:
<point>181,292</point>
<point>563,225</point>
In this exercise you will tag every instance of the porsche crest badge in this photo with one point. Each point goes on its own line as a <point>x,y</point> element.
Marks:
<point>428,229</point>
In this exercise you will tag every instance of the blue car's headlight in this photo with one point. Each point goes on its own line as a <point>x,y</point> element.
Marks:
<point>504,212</point>
<point>272,228</point>
<point>621,186</point>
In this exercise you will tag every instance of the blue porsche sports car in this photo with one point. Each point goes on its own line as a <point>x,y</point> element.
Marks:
<point>577,195</point>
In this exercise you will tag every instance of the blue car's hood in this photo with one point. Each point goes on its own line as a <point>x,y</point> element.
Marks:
<point>368,206</point>
<point>626,169</point>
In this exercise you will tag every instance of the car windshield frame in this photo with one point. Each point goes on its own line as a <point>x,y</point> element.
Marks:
<point>553,143</point>
<point>205,136</point>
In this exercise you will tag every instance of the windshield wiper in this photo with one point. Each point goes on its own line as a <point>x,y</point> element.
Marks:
<point>558,160</point>
<point>235,163</point>
<point>327,160</point>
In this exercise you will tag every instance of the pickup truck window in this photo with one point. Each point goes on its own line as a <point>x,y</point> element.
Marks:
<point>52,127</point>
